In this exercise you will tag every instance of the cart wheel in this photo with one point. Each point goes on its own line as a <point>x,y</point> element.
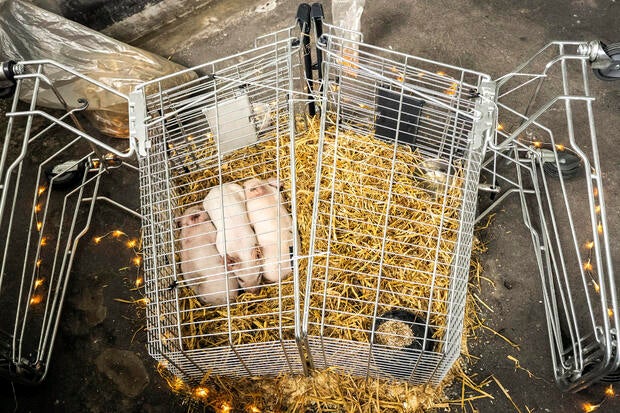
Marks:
<point>8,70</point>
<point>67,178</point>
<point>5,354</point>
<point>611,72</point>
<point>569,164</point>
<point>7,91</point>
<point>613,377</point>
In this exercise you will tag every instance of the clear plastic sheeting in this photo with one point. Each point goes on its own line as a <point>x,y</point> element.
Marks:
<point>28,32</point>
<point>347,17</point>
<point>347,14</point>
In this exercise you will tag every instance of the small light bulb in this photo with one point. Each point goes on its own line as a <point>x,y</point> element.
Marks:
<point>36,299</point>
<point>117,233</point>
<point>38,282</point>
<point>43,242</point>
<point>178,383</point>
<point>609,391</point>
<point>97,240</point>
<point>137,260</point>
<point>139,281</point>
<point>162,364</point>
<point>39,226</point>
<point>41,189</point>
<point>588,407</point>
<point>201,392</point>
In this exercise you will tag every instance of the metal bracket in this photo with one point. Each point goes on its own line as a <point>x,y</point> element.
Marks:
<point>137,126</point>
<point>486,108</point>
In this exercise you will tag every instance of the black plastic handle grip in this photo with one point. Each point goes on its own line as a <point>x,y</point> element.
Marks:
<point>303,18</point>
<point>317,16</point>
<point>317,11</point>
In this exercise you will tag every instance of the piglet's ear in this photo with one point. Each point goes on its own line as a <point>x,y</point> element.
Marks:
<point>252,185</point>
<point>256,191</point>
<point>274,182</point>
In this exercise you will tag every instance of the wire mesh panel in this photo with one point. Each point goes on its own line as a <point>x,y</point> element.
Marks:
<point>217,196</point>
<point>395,202</point>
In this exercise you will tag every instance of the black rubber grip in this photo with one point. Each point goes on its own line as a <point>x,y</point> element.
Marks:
<point>317,11</point>
<point>303,17</point>
<point>317,18</point>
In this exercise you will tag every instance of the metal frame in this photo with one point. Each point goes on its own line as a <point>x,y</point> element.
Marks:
<point>33,279</point>
<point>571,244</point>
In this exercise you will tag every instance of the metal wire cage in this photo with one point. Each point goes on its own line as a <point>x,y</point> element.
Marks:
<point>201,136</point>
<point>402,140</point>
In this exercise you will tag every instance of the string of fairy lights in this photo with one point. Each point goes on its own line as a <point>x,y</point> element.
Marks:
<point>201,393</point>
<point>609,394</point>
<point>38,294</point>
<point>36,297</point>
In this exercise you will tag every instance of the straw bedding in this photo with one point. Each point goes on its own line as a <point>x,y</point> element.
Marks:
<point>364,254</point>
<point>324,391</point>
<point>361,253</point>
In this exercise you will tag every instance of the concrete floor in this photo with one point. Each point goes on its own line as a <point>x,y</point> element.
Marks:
<point>492,37</point>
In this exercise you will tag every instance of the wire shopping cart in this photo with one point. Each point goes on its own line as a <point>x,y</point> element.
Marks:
<point>43,215</point>
<point>377,164</point>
